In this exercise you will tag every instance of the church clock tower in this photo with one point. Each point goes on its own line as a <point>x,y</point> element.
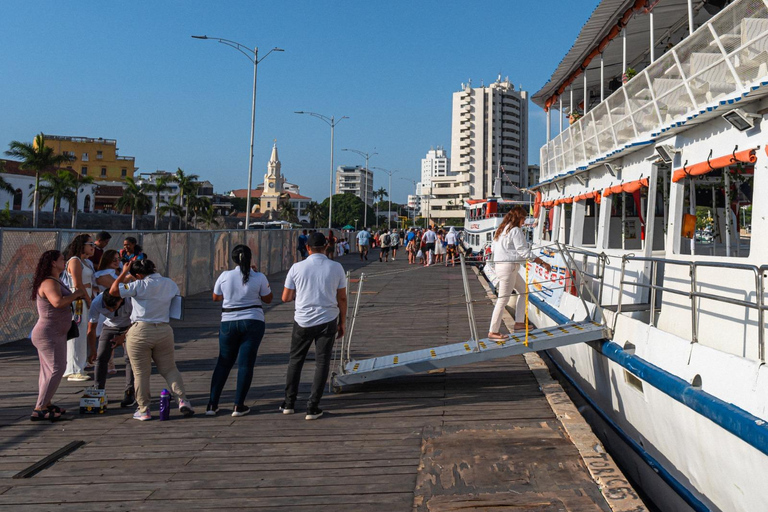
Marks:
<point>273,184</point>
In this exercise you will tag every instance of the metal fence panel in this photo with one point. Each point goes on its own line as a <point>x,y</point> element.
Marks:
<point>177,264</point>
<point>192,259</point>
<point>200,267</point>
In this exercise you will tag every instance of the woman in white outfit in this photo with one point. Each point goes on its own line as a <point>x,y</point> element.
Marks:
<point>80,273</point>
<point>510,249</point>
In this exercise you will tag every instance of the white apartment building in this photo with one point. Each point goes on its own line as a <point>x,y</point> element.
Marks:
<point>435,165</point>
<point>355,180</point>
<point>489,137</point>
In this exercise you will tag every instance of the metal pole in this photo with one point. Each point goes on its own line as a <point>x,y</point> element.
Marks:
<point>653,292</point>
<point>694,330</point>
<point>602,79</point>
<point>470,310</point>
<point>253,132</point>
<point>330,197</point>
<point>389,213</point>
<point>365,194</point>
<point>690,17</point>
<point>354,317</point>
<point>650,22</point>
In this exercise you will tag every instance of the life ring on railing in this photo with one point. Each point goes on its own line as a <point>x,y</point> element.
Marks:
<point>537,205</point>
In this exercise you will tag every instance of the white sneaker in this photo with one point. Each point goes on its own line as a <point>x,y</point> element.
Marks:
<point>78,377</point>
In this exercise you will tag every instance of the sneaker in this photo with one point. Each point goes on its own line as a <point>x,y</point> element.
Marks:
<point>142,416</point>
<point>185,407</point>
<point>240,410</point>
<point>78,377</point>
<point>313,412</point>
<point>211,410</point>
<point>129,400</point>
<point>286,409</point>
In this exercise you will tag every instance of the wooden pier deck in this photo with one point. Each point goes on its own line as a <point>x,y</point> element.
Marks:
<point>481,437</point>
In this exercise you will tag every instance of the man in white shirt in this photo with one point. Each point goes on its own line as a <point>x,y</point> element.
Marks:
<point>429,239</point>
<point>319,287</point>
<point>452,240</point>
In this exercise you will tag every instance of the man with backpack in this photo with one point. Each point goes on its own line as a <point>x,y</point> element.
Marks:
<point>386,241</point>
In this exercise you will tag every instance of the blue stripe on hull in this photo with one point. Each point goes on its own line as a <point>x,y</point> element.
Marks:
<point>745,426</point>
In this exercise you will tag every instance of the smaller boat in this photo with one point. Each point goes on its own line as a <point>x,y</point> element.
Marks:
<point>483,217</point>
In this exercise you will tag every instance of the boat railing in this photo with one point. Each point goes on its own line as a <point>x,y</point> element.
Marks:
<point>585,285</point>
<point>693,293</point>
<point>726,56</point>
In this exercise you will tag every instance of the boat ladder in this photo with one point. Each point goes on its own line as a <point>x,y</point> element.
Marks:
<point>353,371</point>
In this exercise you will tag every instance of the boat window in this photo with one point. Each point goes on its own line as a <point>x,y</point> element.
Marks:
<point>627,228</point>
<point>717,212</point>
<point>591,218</point>
<point>566,220</point>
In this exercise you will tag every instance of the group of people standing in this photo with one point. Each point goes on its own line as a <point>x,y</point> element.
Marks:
<point>129,303</point>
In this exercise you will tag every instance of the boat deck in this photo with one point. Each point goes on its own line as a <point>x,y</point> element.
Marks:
<point>481,437</point>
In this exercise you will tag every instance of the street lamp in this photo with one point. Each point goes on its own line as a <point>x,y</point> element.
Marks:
<point>414,193</point>
<point>332,122</point>
<point>367,156</point>
<point>389,193</point>
<point>253,56</point>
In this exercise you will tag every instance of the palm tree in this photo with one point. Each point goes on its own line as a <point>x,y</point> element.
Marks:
<point>197,205</point>
<point>381,194</point>
<point>286,212</point>
<point>57,187</point>
<point>39,158</point>
<point>134,200</point>
<point>5,186</point>
<point>187,186</point>
<point>157,188</point>
<point>209,217</point>
<point>171,207</point>
<point>79,180</point>
<point>314,212</point>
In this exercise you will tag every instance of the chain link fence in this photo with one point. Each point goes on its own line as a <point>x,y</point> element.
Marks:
<point>193,259</point>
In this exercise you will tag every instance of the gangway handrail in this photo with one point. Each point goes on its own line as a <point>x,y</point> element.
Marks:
<point>693,294</point>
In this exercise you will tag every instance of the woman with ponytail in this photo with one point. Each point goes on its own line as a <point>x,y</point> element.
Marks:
<point>243,291</point>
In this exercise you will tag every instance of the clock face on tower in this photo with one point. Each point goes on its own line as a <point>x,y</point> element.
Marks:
<point>271,185</point>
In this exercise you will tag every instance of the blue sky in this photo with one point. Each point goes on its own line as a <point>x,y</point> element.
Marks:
<point>130,71</point>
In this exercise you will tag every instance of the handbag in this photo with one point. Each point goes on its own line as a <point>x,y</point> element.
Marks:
<point>420,254</point>
<point>74,331</point>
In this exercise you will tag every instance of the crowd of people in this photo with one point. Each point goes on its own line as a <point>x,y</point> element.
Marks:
<point>127,302</point>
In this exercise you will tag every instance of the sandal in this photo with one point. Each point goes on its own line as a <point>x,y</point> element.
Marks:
<point>57,409</point>
<point>497,336</point>
<point>42,415</point>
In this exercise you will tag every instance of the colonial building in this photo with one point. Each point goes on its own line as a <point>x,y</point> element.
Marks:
<point>23,181</point>
<point>97,158</point>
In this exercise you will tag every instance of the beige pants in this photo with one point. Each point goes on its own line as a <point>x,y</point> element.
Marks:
<point>509,279</point>
<point>147,342</point>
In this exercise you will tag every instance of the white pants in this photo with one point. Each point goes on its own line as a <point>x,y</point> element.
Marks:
<point>77,348</point>
<point>509,279</point>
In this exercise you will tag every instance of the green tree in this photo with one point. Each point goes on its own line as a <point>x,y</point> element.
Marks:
<point>314,212</point>
<point>59,186</point>
<point>198,205</point>
<point>159,186</point>
<point>346,208</point>
<point>208,216</point>
<point>38,157</point>
<point>5,186</point>
<point>187,187</point>
<point>172,207</point>
<point>286,212</point>
<point>133,200</point>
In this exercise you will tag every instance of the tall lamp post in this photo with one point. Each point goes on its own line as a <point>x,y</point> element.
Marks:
<point>253,56</point>
<point>414,193</point>
<point>389,193</point>
<point>332,122</point>
<point>367,157</point>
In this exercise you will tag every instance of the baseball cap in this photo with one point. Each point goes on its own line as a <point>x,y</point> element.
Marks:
<point>316,239</point>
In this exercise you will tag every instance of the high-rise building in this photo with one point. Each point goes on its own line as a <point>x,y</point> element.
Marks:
<point>355,180</point>
<point>489,140</point>
<point>435,165</point>
<point>97,158</point>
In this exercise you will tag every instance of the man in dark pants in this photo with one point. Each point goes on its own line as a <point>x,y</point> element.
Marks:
<point>117,320</point>
<point>319,287</point>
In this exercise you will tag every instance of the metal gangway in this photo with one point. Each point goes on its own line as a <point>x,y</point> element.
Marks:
<point>353,371</point>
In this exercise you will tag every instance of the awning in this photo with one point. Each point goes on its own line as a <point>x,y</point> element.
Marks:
<point>746,156</point>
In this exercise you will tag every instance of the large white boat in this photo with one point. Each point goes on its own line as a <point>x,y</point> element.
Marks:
<point>483,217</point>
<point>672,97</point>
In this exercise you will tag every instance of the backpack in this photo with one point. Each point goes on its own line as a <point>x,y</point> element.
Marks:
<point>386,240</point>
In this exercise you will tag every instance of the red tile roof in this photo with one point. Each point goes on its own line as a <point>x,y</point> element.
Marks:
<point>241,192</point>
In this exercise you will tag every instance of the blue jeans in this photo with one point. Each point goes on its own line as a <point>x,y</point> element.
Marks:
<point>239,341</point>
